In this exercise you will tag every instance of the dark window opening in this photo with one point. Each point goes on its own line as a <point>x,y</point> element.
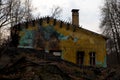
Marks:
<point>92,58</point>
<point>80,57</point>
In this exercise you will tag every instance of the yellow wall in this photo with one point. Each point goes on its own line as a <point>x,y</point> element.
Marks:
<point>87,41</point>
<point>79,40</point>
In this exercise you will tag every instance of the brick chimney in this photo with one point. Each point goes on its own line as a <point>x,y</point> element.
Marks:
<point>75,17</point>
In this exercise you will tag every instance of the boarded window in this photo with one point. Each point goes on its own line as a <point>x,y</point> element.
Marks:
<point>80,57</point>
<point>92,58</point>
<point>55,53</point>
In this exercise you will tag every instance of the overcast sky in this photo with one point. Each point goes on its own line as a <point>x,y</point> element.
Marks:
<point>89,10</point>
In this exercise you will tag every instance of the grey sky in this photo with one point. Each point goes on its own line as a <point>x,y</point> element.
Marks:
<point>89,10</point>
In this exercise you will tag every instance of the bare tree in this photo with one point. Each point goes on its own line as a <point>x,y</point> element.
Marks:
<point>14,11</point>
<point>0,37</point>
<point>28,10</point>
<point>22,11</point>
<point>56,12</point>
<point>4,12</point>
<point>111,25</point>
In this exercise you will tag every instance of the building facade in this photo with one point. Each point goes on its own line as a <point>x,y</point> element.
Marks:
<point>69,41</point>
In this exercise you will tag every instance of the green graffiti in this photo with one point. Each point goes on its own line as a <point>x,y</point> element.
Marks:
<point>48,37</point>
<point>27,39</point>
<point>49,31</point>
<point>62,37</point>
<point>45,33</point>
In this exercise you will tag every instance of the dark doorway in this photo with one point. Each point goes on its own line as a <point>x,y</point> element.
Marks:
<point>80,57</point>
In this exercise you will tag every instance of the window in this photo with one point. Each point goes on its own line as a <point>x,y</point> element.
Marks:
<point>55,53</point>
<point>92,58</point>
<point>80,57</point>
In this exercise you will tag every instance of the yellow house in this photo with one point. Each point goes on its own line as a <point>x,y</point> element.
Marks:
<point>66,40</point>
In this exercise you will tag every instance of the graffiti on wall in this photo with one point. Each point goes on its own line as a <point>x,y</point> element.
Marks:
<point>46,37</point>
<point>49,38</point>
<point>26,38</point>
